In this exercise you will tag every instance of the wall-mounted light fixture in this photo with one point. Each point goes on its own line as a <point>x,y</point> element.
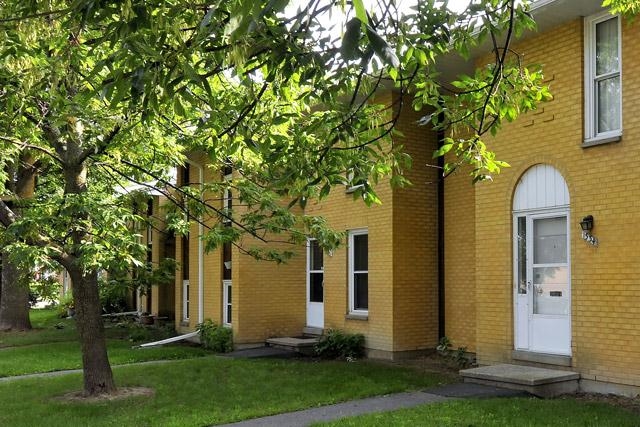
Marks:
<point>587,225</point>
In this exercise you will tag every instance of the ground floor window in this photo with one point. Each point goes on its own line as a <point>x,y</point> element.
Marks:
<point>227,298</point>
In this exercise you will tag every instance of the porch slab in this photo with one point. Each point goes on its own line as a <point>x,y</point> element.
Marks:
<point>312,331</point>
<point>303,345</point>
<point>537,381</point>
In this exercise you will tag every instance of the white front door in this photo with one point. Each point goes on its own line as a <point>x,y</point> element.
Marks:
<point>542,282</point>
<point>315,285</point>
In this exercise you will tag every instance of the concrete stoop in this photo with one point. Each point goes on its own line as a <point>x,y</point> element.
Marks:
<point>302,345</point>
<point>537,381</point>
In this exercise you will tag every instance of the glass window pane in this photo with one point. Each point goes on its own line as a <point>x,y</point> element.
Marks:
<point>550,240</point>
<point>315,287</point>
<point>360,252</point>
<point>607,46</point>
<point>361,291</point>
<point>608,95</point>
<point>316,255</point>
<point>522,255</point>
<point>229,316</point>
<point>551,275</point>
<point>226,261</point>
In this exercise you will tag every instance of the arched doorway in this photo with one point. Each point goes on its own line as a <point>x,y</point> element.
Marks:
<point>542,273</point>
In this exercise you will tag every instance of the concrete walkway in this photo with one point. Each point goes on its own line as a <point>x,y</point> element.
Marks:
<point>371,405</point>
<point>342,410</point>
<point>79,371</point>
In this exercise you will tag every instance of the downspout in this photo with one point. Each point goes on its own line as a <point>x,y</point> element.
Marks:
<point>441,277</point>
<point>200,246</point>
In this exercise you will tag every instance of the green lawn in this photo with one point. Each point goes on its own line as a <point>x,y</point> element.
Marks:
<point>57,356</point>
<point>520,412</point>
<point>203,391</point>
<point>53,346</point>
<point>215,390</point>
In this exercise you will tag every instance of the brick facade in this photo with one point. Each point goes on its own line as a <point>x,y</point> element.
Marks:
<point>601,182</point>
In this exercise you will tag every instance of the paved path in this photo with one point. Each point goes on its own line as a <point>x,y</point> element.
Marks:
<point>378,404</point>
<point>79,371</point>
<point>341,410</point>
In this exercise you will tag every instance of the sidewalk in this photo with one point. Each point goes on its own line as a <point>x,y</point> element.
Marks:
<point>370,405</point>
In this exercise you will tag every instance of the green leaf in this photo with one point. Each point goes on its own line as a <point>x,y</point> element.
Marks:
<point>382,48</point>
<point>351,40</point>
<point>361,12</point>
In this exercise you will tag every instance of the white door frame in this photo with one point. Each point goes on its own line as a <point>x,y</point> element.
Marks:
<point>315,309</point>
<point>542,333</point>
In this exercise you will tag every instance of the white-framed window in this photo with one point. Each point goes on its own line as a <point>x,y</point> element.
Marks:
<point>185,278</point>
<point>359,271</point>
<point>603,80</point>
<point>315,271</point>
<point>227,195</point>
<point>227,314</point>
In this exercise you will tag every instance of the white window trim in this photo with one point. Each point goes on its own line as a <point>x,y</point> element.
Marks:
<point>591,136</point>
<point>352,233</point>
<point>226,197</point>
<point>185,300</point>
<point>226,284</point>
<point>310,271</point>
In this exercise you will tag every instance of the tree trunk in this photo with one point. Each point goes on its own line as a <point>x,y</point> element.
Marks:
<point>14,291</point>
<point>98,377</point>
<point>14,298</point>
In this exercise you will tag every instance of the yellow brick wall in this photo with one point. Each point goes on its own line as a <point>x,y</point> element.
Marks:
<point>602,181</point>
<point>162,296</point>
<point>269,299</point>
<point>343,214</point>
<point>212,261</point>
<point>415,241</point>
<point>459,260</point>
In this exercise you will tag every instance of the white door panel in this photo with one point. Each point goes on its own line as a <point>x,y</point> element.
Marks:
<point>542,282</point>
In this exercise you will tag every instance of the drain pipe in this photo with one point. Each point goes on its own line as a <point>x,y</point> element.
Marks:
<point>200,245</point>
<point>441,277</point>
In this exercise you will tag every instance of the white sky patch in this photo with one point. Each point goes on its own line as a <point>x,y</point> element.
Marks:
<point>336,17</point>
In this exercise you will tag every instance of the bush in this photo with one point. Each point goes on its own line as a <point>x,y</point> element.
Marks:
<point>66,303</point>
<point>336,344</point>
<point>459,356</point>
<point>113,296</point>
<point>215,337</point>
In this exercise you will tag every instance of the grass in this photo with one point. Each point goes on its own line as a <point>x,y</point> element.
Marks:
<point>521,412</point>
<point>53,346</point>
<point>215,390</point>
<point>58,356</point>
<point>205,391</point>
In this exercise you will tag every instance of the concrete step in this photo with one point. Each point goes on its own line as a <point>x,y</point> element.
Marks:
<point>537,381</point>
<point>312,331</point>
<point>302,345</point>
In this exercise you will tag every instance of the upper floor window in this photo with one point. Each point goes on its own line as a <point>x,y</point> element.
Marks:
<point>603,88</point>
<point>358,271</point>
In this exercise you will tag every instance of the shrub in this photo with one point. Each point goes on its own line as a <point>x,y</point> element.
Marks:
<point>215,337</point>
<point>336,344</point>
<point>66,303</point>
<point>459,356</point>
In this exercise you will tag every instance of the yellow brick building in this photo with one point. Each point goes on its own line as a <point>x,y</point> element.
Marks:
<point>521,283</point>
<point>261,300</point>
<point>556,299</point>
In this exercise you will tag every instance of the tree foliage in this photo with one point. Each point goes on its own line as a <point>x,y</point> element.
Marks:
<point>110,93</point>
